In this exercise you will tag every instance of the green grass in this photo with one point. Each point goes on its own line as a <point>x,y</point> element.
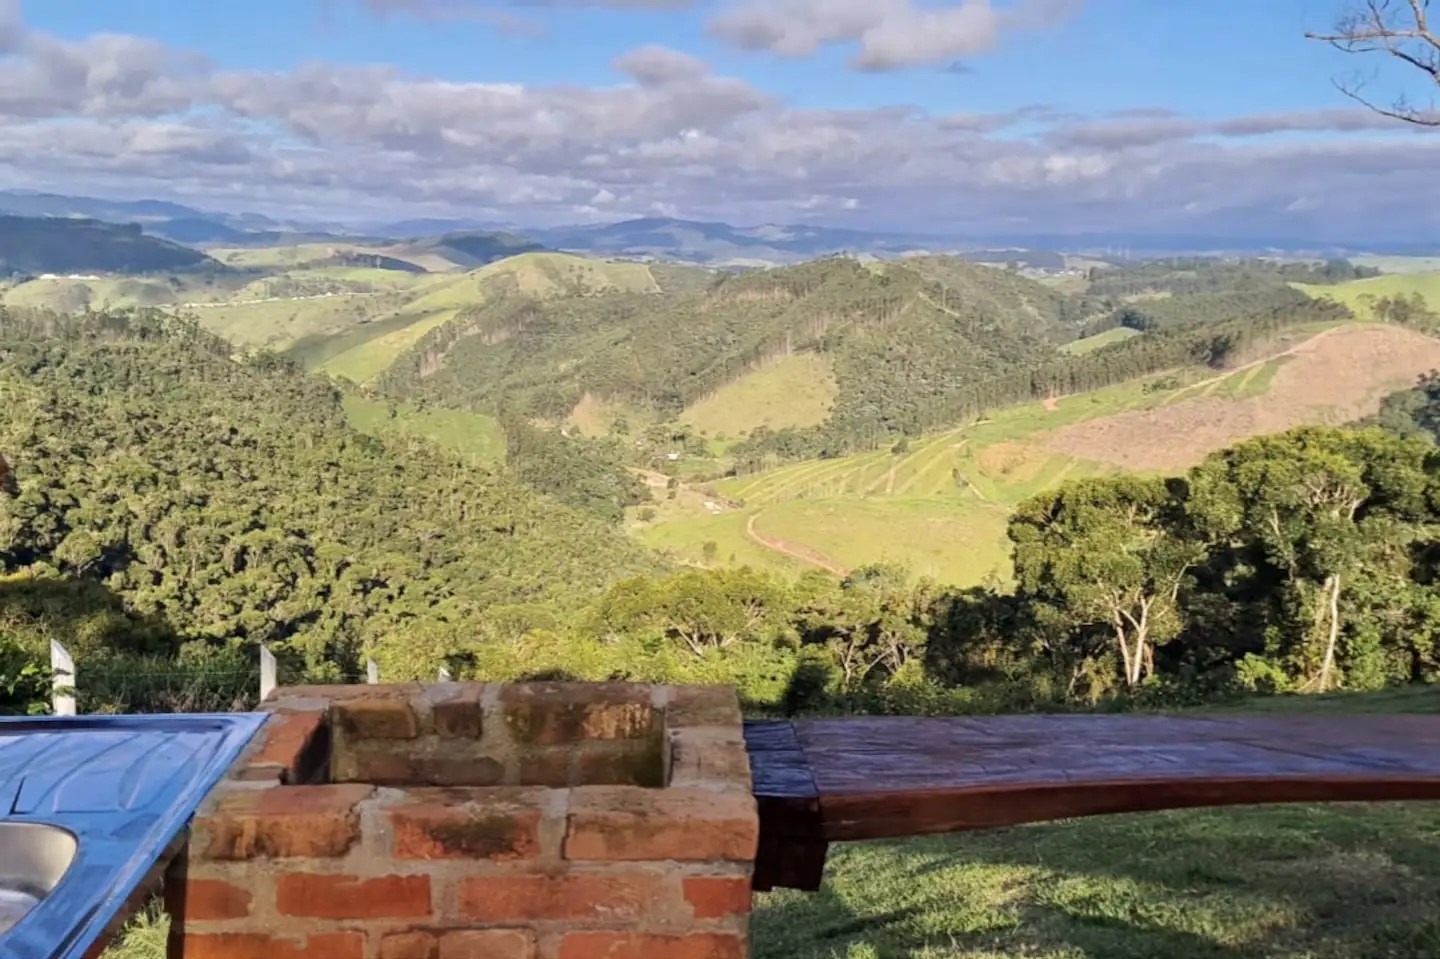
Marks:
<point>682,532</point>
<point>796,390</point>
<point>952,540</point>
<point>1354,293</point>
<point>475,436</point>
<point>1305,882</point>
<point>1092,343</point>
<point>374,356</point>
<point>283,323</point>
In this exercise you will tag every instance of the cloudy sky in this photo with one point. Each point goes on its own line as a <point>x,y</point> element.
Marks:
<point>1206,117</point>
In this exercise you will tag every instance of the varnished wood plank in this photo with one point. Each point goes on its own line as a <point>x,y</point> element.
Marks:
<point>778,766</point>
<point>863,756</point>
<point>792,849</point>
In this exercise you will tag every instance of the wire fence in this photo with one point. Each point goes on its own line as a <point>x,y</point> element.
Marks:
<point>164,686</point>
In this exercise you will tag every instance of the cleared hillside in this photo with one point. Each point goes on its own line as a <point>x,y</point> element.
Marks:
<point>790,391</point>
<point>1337,377</point>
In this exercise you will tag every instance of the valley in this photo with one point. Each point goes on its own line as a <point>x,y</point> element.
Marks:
<point>733,384</point>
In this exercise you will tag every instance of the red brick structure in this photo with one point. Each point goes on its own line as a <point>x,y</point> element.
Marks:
<point>470,821</point>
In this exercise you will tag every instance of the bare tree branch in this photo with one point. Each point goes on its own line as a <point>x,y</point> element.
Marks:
<point>1400,30</point>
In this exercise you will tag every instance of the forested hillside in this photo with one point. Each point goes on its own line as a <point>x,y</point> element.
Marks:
<point>55,245</point>
<point>913,346</point>
<point>900,343</point>
<point>229,503</point>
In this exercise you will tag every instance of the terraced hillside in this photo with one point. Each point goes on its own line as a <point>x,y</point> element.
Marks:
<point>939,505</point>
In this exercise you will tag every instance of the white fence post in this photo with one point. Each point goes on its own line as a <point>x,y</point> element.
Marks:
<point>445,675</point>
<point>268,680</point>
<point>62,669</point>
<point>372,672</point>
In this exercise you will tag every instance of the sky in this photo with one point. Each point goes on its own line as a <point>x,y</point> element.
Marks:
<point>964,117</point>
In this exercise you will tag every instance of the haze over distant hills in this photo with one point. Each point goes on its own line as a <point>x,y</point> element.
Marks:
<point>711,243</point>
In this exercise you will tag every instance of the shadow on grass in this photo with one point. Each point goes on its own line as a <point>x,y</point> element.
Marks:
<point>1319,882</point>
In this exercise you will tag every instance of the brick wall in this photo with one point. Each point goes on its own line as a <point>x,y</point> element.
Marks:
<point>472,821</point>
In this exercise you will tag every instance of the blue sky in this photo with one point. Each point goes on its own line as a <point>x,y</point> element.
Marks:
<point>1056,115</point>
<point>1207,57</point>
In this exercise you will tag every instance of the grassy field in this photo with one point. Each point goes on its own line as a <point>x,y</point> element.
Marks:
<point>1353,294</point>
<point>1092,343</point>
<point>475,436</point>
<point>1342,881</point>
<point>369,359</point>
<point>796,390</point>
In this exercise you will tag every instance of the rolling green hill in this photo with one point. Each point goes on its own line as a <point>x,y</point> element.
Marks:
<point>893,340</point>
<point>1359,295</point>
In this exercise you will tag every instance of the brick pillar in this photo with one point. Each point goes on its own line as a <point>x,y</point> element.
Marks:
<point>470,821</point>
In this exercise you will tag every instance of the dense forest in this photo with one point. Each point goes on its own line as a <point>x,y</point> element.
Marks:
<point>182,503</point>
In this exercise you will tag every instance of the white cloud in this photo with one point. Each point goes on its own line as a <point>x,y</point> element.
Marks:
<point>126,116</point>
<point>887,34</point>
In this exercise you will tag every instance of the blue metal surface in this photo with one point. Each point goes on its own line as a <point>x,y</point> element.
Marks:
<point>126,787</point>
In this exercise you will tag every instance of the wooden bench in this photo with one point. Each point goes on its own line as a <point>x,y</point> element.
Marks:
<point>834,780</point>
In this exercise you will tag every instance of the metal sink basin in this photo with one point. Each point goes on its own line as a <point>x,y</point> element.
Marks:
<point>92,808</point>
<point>33,858</point>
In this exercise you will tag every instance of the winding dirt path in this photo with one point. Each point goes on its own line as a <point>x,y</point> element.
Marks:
<point>801,553</point>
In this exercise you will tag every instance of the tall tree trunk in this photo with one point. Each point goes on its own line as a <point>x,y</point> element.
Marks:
<point>1327,665</point>
<point>1126,658</point>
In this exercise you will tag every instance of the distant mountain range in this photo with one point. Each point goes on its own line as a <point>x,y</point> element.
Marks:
<point>40,245</point>
<point>710,243</point>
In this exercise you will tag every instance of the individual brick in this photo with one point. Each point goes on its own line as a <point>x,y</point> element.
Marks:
<point>552,766</point>
<point>206,899</point>
<point>555,713</point>
<point>623,762</point>
<point>229,945</point>
<point>618,823</point>
<point>487,944</point>
<point>717,897</point>
<point>498,825</point>
<point>327,896</point>
<point>410,945</point>
<point>631,945</point>
<point>382,717</point>
<point>520,898</point>
<point>311,822</point>
<point>458,715</point>
<point>703,706</point>
<point>708,756</point>
<point>293,745</point>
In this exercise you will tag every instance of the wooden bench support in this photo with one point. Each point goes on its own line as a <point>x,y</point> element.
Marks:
<point>834,780</point>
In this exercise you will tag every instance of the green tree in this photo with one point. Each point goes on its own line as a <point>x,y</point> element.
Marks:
<point>1107,554</point>
<point>1316,512</point>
